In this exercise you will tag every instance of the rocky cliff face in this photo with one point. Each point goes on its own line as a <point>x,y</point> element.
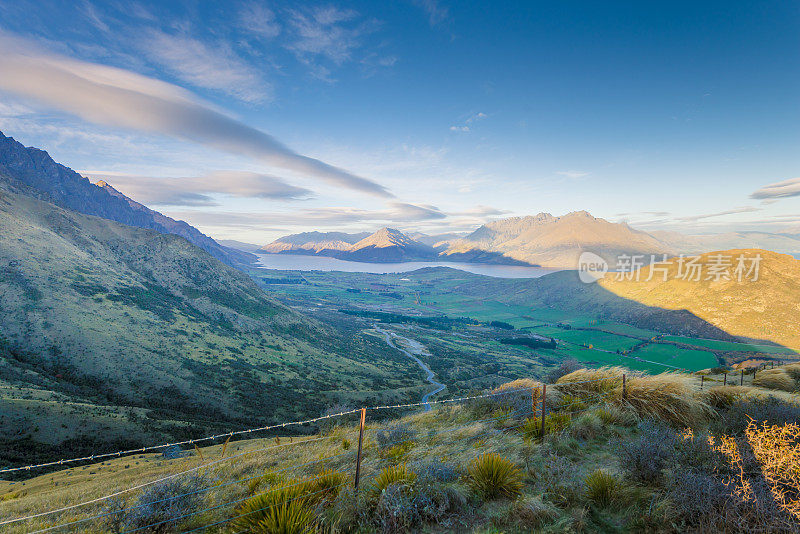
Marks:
<point>33,172</point>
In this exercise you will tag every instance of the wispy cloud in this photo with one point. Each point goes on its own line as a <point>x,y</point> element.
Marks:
<point>198,190</point>
<point>572,174</point>
<point>470,120</point>
<point>214,66</point>
<point>436,12</point>
<point>259,20</point>
<point>784,189</point>
<point>326,33</point>
<point>116,97</point>
<point>325,217</point>
<point>742,209</point>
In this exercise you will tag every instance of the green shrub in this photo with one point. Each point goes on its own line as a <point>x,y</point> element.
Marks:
<point>602,488</point>
<point>492,475</point>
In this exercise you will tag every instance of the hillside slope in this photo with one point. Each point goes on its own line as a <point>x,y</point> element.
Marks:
<point>33,172</point>
<point>97,313</point>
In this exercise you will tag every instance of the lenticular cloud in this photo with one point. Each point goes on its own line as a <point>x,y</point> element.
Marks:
<point>116,97</point>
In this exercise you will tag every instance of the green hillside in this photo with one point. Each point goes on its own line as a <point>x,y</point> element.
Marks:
<point>96,316</point>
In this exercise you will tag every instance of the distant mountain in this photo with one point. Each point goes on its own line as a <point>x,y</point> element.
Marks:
<point>33,172</point>
<point>314,243</point>
<point>238,245</point>
<point>697,244</point>
<point>437,241</point>
<point>388,245</point>
<point>385,245</point>
<point>550,241</point>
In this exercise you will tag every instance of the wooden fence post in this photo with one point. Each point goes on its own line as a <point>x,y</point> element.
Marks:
<point>624,389</point>
<point>544,408</point>
<point>725,379</point>
<point>702,381</point>
<point>741,380</point>
<point>360,445</point>
<point>534,400</point>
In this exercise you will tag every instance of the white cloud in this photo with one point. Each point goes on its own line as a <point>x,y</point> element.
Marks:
<point>784,189</point>
<point>459,128</point>
<point>743,209</point>
<point>572,174</point>
<point>197,190</point>
<point>435,11</point>
<point>259,20</point>
<point>210,66</point>
<point>116,97</point>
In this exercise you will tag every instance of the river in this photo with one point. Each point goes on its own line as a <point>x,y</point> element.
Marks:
<point>419,349</point>
<point>297,262</point>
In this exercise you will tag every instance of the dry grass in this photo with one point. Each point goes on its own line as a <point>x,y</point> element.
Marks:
<point>584,382</point>
<point>777,378</point>
<point>793,370</point>
<point>725,396</point>
<point>668,397</point>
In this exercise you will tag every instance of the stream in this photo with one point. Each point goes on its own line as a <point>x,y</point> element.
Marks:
<point>438,386</point>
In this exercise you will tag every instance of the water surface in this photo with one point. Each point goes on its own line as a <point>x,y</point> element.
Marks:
<point>297,262</point>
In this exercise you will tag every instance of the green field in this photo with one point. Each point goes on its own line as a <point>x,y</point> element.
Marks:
<point>729,346</point>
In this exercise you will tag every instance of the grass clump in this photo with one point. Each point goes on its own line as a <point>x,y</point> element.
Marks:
<point>602,488</point>
<point>667,397</point>
<point>725,396</point>
<point>532,512</point>
<point>395,474</point>
<point>492,475</point>
<point>279,511</point>
<point>777,378</point>
<point>585,382</point>
<point>586,426</point>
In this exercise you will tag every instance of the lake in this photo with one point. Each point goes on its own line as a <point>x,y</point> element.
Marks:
<point>296,262</point>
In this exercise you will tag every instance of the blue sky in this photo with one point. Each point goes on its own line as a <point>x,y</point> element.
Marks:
<point>254,119</point>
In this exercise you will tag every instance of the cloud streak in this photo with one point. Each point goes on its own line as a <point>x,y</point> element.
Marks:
<point>693,218</point>
<point>115,97</point>
<point>197,190</point>
<point>784,189</point>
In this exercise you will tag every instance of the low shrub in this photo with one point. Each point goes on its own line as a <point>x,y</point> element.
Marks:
<point>492,475</point>
<point>394,434</point>
<point>602,488</point>
<point>793,370</point>
<point>566,367</point>
<point>439,471</point>
<point>532,512</point>
<point>762,410</point>
<point>160,507</point>
<point>557,477</point>
<point>647,454</point>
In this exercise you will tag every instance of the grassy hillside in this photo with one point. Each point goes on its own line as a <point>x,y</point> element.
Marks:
<point>96,315</point>
<point>664,456</point>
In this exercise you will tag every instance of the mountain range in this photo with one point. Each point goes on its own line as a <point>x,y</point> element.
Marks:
<point>33,172</point>
<point>544,240</point>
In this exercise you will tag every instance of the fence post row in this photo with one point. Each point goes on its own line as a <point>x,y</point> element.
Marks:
<point>360,445</point>
<point>544,409</point>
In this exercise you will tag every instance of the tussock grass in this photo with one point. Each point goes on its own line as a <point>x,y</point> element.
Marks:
<point>584,382</point>
<point>726,396</point>
<point>668,397</point>
<point>793,370</point>
<point>492,475</point>
<point>602,488</point>
<point>777,378</point>
<point>395,474</point>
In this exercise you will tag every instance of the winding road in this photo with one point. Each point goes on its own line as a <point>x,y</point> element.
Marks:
<point>438,386</point>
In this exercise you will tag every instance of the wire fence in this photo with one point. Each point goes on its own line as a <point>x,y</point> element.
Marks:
<point>307,468</point>
<point>469,425</point>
